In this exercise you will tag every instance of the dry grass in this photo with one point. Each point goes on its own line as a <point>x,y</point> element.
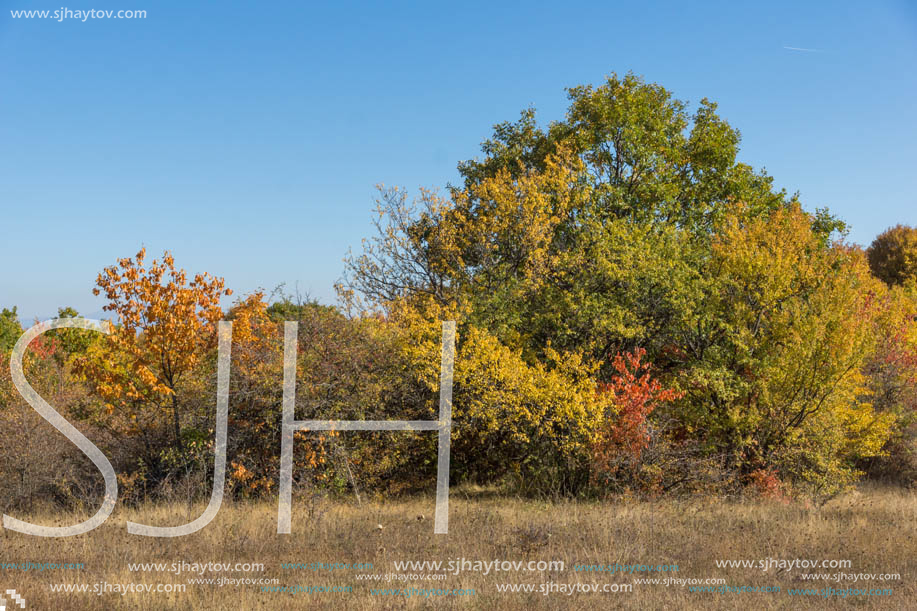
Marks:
<point>875,529</point>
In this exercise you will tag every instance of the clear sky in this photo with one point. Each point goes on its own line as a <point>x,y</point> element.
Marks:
<point>247,137</point>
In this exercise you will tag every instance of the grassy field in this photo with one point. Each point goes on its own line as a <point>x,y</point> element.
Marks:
<point>875,529</point>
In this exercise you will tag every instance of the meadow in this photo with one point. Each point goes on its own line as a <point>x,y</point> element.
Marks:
<point>875,528</point>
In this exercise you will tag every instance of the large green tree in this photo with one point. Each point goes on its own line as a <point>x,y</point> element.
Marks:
<point>587,234</point>
<point>646,155</point>
<point>630,225</point>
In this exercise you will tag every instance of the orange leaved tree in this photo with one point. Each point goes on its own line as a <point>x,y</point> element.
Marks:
<point>164,327</point>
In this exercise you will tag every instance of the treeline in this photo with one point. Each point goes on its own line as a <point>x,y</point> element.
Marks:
<point>638,313</point>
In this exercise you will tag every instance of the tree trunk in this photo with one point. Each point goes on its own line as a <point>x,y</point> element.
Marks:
<point>175,422</point>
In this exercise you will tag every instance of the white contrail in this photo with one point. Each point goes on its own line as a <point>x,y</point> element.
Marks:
<point>803,49</point>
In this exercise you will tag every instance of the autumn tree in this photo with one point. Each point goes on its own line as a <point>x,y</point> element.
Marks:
<point>329,367</point>
<point>773,363</point>
<point>10,329</point>
<point>165,326</point>
<point>893,255</point>
<point>891,380</point>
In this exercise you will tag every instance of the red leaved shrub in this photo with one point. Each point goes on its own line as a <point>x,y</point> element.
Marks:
<point>625,434</point>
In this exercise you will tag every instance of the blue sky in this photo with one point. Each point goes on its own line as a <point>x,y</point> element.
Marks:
<point>247,137</point>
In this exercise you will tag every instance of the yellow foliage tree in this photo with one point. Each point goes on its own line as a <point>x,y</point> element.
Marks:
<point>535,422</point>
<point>800,319</point>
